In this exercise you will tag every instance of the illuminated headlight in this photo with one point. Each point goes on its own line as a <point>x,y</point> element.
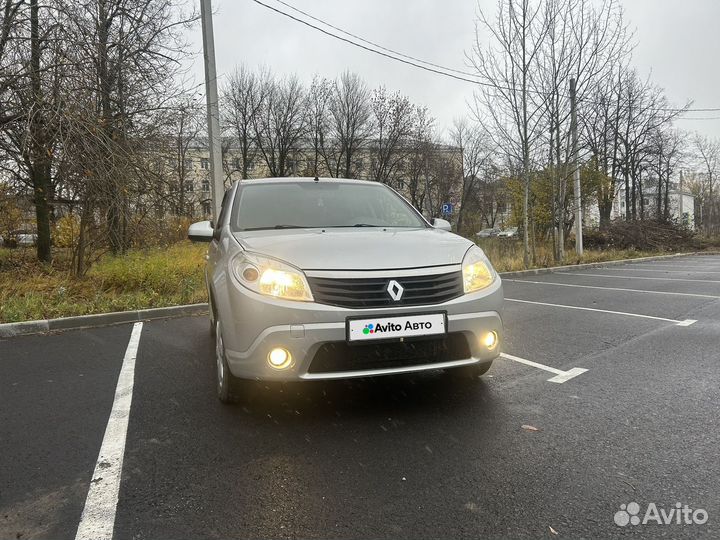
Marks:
<point>477,271</point>
<point>271,277</point>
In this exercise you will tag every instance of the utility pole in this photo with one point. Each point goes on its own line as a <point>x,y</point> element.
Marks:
<point>576,173</point>
<point>213,110</point>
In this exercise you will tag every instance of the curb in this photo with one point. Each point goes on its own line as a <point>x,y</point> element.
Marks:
<point>8,330</point>
<point>44,326</point>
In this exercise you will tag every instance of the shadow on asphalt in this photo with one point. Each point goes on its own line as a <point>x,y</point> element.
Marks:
<point>413,395</point>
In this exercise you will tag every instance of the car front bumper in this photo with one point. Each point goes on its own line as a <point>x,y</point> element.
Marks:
<point>253,325</point>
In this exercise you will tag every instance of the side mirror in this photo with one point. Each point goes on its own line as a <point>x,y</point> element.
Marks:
<point>201,231</point>
<point>442,224</point>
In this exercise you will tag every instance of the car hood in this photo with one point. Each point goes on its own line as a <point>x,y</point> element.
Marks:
<point>358,249</point>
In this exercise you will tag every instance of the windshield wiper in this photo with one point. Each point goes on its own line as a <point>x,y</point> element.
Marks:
<point>357,225</point>
<point>273,227</point>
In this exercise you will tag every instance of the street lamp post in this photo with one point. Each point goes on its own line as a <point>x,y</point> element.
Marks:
<point>213,109</point>
<point>576,167</point>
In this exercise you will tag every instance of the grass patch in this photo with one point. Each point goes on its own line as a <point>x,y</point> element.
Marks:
<point>506,255</point>
<point>142,279</point>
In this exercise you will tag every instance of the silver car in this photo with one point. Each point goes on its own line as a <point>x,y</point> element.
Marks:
<point>328,278</point>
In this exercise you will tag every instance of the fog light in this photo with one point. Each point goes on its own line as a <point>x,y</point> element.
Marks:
<point>279,358</point>
<point>490,340</point>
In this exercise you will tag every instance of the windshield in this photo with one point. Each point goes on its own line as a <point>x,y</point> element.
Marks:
<point>323,204</point>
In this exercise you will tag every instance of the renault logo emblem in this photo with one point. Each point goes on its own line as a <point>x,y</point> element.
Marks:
<point>395,290</point>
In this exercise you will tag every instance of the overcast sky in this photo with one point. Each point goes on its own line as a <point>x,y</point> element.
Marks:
<point>677,41</point>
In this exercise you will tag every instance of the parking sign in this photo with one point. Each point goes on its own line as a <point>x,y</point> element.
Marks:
<point>447,208</point>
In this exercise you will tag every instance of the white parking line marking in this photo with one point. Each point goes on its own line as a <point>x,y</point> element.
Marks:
<point>560,375</point>
<point>701,266</point>
<point>567,375</point>
<point>611,288</point>
<point>664,271</point>
<point>98,517</point>
<point>686,322</point>
<point>636,277</point>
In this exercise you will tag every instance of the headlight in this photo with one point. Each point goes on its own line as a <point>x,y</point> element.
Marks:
<point>271,277</point>
<point>477,271</point>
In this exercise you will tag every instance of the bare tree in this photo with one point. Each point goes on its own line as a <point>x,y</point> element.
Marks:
<point>185,119</point>
<point>418,157</point>
<point>349,125</point>
<point>14,26</point>
<point>644,112</point>
<point>280,123</point>
<point>665,153</point>
<point>601,133</point>
<point>476,154</point>
<point>443,177</point>
<point>392,120</point>
<point>126,52</point>
<point>708,155</point>
<point>509,104</point>
<point>583,42</point>
<point>318,102</point>
<point>243,101</point>
<point>30,86</point>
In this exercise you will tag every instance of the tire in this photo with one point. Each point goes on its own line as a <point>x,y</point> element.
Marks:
<point>471,372</point>
<point>226,383</point>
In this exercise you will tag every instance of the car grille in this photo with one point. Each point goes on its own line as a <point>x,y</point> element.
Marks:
<point>340,357</point>
<point>372,292</point>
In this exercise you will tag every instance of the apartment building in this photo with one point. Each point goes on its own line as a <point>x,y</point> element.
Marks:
<point>441,180</point>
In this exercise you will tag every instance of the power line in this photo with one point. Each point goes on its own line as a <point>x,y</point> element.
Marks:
<point>703,118</point>
<point>417,62</point>
<point>712,109</point>
<point>310,16</point>
<point>390,56</point>
<point>381,53</point>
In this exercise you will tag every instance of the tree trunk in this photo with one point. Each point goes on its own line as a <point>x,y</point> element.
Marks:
<point>41,188</point>
<point>114,220</point>
<point>659,195</point>
<point>605,208</point>
<point>40,166</point>
<point>80,266</point>
<point>461,215</point>
<point>634,195</point>
<point>642,195</point>
<point>667,193</point>
<point>627,194</point>
<point>709,216</point>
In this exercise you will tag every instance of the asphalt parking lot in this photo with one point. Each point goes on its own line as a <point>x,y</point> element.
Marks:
<point>609,393</point>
